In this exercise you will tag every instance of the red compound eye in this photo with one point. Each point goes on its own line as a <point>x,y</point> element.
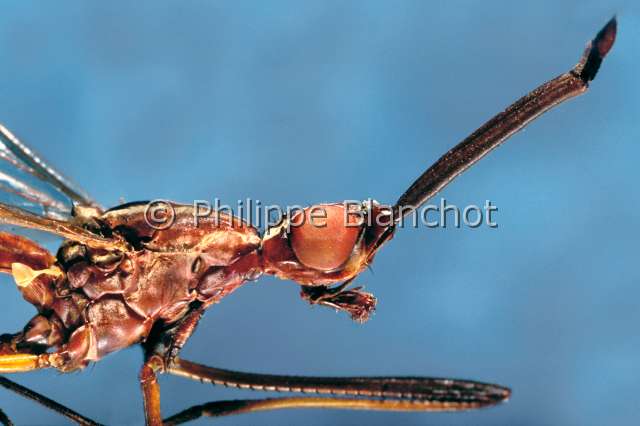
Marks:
<point>322,237</point>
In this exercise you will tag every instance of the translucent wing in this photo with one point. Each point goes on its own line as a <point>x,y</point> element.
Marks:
<point>28,181</point>
<point>37,196</point>
<point>12,215</point>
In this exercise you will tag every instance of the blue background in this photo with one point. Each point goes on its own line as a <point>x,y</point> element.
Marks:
<point>299,103</point>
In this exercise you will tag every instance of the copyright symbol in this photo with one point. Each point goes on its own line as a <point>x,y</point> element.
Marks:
<point>159,214</point>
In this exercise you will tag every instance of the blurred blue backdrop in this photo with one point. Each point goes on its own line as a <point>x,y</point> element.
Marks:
<point>290,102</point>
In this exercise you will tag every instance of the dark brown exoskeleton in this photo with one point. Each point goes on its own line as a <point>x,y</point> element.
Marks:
<point>121,279</point>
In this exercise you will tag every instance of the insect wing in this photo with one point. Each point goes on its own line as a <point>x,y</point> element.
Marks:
<point>28,181</point>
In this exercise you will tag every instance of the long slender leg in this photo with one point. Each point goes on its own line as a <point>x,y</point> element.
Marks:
<point>18,362</point>
<point>160,349</point>
<point>4,419</point>
<point>23,362</point>
<point>151,390</point>
<point>244,406</point>
<point>467,394</point>
<point>361,393</point>
<point>46,402</point>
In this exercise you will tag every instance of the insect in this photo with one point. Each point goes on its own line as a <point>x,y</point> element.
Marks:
<point>117,280</point>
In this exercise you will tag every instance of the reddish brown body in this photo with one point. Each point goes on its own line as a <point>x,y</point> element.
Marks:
<point>93,301</point>
<point>117,280</point>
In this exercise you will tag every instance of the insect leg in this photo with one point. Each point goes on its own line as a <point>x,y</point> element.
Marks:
<point>42,400</point>
<point>365,393</point>
<point>33,268</point>
<point>19,355</point>
<point>167,342</point>
<point>17,249</point>
<point>22,362</point>
<point>160,349</point>
<point>4,419</point>
<point>151,390</point>
<point>243,406</point>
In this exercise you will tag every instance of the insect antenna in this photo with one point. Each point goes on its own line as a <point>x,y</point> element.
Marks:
<point>505,124</point>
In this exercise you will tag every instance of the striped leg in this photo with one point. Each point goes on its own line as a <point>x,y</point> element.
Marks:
<point>354,393</point>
